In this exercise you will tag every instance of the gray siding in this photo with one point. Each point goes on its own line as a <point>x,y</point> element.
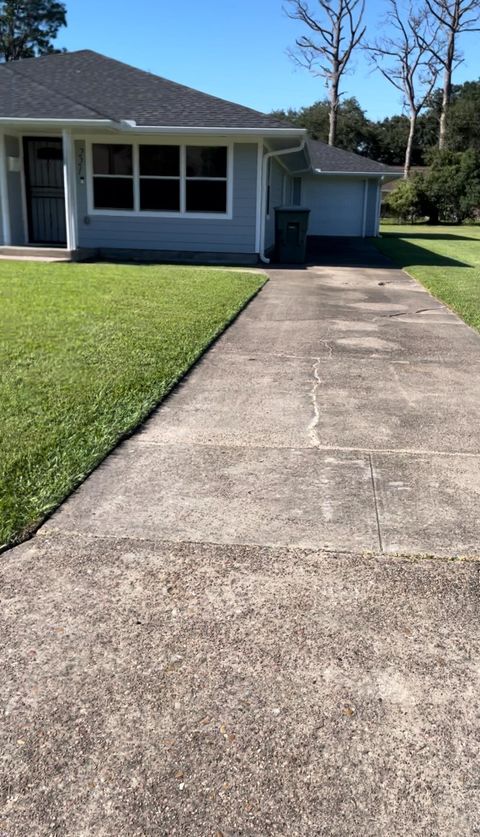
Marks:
<point>189,234</point>
<point>276,199</point>
<point>12,148</point>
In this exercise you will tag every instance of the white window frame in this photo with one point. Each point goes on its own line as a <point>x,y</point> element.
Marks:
<point>136,212</point>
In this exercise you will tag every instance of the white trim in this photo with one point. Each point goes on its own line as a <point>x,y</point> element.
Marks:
<point>183,179</point>
<point>135,176</point>
<point>5,202</point>
<point>69,190</point>
<point>128,127</point>
<point>393,175</point>
<point>258,198</point>
<point>19,121</point>
<point>365,199</point>
<point>136,212</point>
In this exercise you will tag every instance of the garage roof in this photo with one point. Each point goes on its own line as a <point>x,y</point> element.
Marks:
<point>329,160</point>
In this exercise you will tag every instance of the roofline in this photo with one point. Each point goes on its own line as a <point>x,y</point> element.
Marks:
<point>393,174</point>
<point>130,126</point>
<point>40,121</point>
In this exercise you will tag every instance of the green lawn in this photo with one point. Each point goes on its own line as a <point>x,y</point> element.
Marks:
<point>86,352</point>
<point>444,259</point>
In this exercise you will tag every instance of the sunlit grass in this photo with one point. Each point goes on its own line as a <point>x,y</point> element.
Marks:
<point>87,350</point>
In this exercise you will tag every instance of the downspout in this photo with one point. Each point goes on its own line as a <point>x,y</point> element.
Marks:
<point>263,258</point>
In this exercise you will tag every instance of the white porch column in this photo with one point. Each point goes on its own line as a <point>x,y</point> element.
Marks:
<point>69,189</point>
<point>4,201</point>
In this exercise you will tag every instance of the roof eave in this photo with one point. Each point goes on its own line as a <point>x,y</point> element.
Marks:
<point>382,174</point>
<point>40,122</point>
<point>130,126</point>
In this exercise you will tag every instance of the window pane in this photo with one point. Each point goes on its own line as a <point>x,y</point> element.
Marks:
<point>160,160</point>
<point>160,195</point>
<point>113,192</point>
<point>206,196</point>
<point>112,159</point>
<point>206,162</point>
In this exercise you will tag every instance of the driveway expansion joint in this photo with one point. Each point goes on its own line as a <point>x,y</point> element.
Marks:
<point>329,551</point>
<point>420,452</point>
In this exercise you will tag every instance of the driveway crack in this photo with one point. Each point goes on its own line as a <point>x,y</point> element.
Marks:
<point>317,381</point>
<point>312,427</point>
<point>375,502</point>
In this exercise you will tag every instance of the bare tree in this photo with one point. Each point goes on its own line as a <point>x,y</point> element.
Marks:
<point>407,57</point>
<point>453,17</point>
<point>335,30</point>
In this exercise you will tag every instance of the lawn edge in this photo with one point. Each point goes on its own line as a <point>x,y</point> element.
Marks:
<point>30,530</point>
<point>428,290</point>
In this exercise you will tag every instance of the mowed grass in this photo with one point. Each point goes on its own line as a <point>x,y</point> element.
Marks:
<point>86,352</point>
<point>446,259</point>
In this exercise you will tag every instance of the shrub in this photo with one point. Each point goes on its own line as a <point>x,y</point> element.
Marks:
<point>452,186</point>
<point>405,201</point>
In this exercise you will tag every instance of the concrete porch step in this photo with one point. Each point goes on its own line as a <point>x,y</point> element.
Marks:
<point>44,254</point>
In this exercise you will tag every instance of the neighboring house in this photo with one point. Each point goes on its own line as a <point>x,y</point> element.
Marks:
<point>97,155</point>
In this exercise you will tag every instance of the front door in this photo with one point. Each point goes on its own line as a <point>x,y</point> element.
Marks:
<point>44,188</point>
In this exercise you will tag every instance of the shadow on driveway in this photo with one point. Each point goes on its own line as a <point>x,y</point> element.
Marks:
<point>344,252</point>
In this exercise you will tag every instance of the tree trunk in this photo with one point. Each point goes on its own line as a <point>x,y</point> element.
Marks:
<point>332,123</point>
<point>408,150</point>
<point>334,82</point>
<point>333,114</point>
<point>447,91</point>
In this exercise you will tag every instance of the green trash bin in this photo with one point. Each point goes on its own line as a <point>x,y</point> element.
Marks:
<point>291,226</point>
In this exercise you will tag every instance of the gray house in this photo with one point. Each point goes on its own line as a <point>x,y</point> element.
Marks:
<point>99,156</point>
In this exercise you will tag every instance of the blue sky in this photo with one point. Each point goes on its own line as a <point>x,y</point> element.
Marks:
<point>236,50</point>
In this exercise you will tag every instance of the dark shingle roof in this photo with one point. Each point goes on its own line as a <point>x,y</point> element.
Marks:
<point>327,158</point>
<point>85,84</point>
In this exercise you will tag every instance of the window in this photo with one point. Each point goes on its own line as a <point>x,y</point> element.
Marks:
<point>160,177</point>
<point>176,179</point>
<point>206,169</point>
<point>112,176</point>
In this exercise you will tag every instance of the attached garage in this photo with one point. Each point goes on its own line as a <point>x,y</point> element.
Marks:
<point>343,192</point>
<point>336,205</point>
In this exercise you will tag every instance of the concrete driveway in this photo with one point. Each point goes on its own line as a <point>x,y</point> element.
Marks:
<point>248,620</point>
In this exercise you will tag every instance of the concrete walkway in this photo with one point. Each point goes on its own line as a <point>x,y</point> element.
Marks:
<point>228,629</point>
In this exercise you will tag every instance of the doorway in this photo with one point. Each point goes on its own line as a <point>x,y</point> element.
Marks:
<point>45,190</point>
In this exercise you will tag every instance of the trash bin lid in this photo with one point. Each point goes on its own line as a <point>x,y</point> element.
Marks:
<point>286,208</point>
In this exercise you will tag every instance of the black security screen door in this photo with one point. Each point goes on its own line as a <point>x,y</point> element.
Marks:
<point>44,187</point>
